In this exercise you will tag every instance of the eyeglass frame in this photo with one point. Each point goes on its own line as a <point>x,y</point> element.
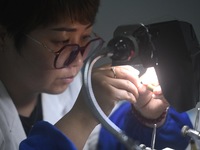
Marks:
<point>57,53</point>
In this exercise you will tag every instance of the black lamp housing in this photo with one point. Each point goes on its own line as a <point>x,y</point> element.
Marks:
<point>170,47</point>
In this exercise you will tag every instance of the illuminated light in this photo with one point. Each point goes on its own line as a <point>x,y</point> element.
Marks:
<point>149,78</point>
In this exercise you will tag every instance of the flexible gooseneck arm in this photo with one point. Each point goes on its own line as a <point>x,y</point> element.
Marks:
<point>97,111</point>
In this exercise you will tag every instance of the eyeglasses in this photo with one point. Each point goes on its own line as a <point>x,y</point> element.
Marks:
<point>68,53</point>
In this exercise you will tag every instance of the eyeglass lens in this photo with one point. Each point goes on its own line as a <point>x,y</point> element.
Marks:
<point>69,52</point>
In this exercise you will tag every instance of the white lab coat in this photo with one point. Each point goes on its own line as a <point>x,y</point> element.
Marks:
<point>53,106</point>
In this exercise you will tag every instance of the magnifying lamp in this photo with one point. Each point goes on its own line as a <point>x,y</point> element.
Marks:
<point>170,47</point>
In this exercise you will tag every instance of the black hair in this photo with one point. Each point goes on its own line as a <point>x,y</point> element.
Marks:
<point>19,17</point>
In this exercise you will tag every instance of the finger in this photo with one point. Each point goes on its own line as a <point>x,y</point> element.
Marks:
<point>112,93</point>
<point>106,71</point>
<point>126,78</point>
<point>121,71</point>
<point>157,90</point>
<point>110,86</point>
<point>160,96</point>
<point>128,73</point>
<point>124,85</point>
<point>120,94</point>
<point>145,95</point>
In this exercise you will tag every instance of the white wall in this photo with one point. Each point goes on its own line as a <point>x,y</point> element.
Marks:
<point>117,12</point>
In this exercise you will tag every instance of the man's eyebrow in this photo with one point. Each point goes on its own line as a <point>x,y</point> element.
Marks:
<point>68,29</point>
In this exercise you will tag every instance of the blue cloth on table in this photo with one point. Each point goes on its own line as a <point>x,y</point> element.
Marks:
<point>168,135</point>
